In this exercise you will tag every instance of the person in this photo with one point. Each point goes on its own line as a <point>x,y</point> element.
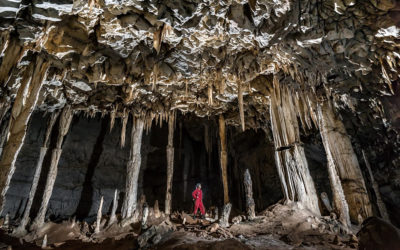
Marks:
<point>198,201</point>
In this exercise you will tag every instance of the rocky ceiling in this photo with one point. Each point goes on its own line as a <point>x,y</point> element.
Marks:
<point>203,56</point>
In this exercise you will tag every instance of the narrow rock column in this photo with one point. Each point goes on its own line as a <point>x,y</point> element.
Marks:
<point>36,176</point>
<point>379,202</point>
<point>292,166</point>
<point>170,163</point>
<point>223,157</point>
<point>133,169</point>
<point>24,104</point>
<point>65,122</point>
<point>248,187</point>
<point>341,155</point>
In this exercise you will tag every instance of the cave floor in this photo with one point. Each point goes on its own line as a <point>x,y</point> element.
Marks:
<point>278,227</point>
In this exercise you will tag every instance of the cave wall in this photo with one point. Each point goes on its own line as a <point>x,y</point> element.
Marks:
<point>109,173</point>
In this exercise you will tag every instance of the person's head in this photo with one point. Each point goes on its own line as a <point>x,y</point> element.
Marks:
<point>198,186</point>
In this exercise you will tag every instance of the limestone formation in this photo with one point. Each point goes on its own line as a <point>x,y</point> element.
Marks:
<point>342,157</point>
<point>64,124</point>
<point>297,183</point>
<point>301,94</point>
<point>250,205</point>
<point>133,169</point>
<point>24,104</point>
<point>170,163</point>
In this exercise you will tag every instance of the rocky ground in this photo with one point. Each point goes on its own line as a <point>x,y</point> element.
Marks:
<point>278,227</point>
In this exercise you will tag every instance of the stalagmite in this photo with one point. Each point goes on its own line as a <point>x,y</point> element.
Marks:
<point>325,201</point>
<point>379,202</point>
<point>226,211</point>
<point>144,215</point>
<point>170,163</point>
<point>44,242</point>
<point>341,158</point>
<point>99,215</point>
<point>133,169</point>
<point>24,104</point>
<point>248,186</point>
<point>113,218</point>
<point>223,158</point>
<point>36,176</point>
<point>156,209</point>
<point>292,166</point>
<point>65,122</point>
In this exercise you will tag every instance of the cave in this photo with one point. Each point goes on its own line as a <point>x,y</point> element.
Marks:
<point>192,124</point>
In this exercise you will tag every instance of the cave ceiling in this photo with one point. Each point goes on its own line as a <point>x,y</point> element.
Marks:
<point>151,57</point>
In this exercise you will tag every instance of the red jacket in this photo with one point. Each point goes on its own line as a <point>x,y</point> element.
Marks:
<point>197,194</point>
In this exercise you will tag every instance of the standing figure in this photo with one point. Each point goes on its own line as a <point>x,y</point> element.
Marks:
<point>198,201</point>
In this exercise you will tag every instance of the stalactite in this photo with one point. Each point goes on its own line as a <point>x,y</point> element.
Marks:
<point>210,93</point>
<point>24,104</point>
<point>113,217</point>
<point>123,130</point>
<point>112,118</point>
<point>248,186</point>
<point>12,55</point>
<point>65,122</point>
<point>170,163</point>
<point>133,169</point>
<point>341,158</point>
<point>43,150</point>
<point>223,157</point>
<point>241,110</point>
<point>379,202</point>
<point>292,166</point>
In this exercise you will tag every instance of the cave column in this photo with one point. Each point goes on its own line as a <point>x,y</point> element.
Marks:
<point>36,176</point>
<point>223,157</point>
<point>24,104</point>
<point>292,166</point>
<point>65,122</point>
<point>248,186</point>
<point>133,168</point>
<point>170,163</point>
<point>342,158</point>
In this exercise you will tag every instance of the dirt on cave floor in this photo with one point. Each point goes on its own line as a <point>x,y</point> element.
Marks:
<point>278,227</point>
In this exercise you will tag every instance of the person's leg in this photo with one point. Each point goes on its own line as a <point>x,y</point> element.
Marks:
<point>202,210</point>
<point>196,207</point>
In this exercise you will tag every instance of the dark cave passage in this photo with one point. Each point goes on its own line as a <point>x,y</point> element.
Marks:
<point>99,167</point>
